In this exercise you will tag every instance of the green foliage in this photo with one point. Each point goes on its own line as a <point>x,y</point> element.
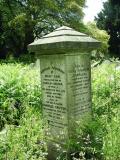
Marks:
<point>21,21</point>
<point>109,20</point>
<point>26,140</point>
<point>111,141</point>
<point>106,105</point>
<point>21,136</point>
<point>106,85</point>
<point>18,84</point>
<point>100,35</point>
<point>88,141</point>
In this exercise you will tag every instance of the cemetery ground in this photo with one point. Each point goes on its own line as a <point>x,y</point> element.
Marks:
<point>21,121</point>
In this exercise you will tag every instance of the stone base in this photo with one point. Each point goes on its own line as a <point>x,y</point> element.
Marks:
<point>54,151</point>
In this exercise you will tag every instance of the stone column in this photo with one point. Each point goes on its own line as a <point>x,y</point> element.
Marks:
<point>65,81</point>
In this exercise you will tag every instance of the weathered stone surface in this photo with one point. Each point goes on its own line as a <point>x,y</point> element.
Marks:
<point>53,79</point>
<point>66,83</point>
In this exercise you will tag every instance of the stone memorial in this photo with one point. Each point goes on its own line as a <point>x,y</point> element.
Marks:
<point>65,81</point>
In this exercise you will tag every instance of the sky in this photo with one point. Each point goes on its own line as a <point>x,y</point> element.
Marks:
<point>92,9</point>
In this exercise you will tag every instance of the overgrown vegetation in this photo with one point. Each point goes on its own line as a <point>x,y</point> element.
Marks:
<point>106,106</point>
<point>21,134</point>
<point>19,84</point>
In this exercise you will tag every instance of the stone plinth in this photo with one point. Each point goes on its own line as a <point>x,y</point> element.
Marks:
<point>65,82</point>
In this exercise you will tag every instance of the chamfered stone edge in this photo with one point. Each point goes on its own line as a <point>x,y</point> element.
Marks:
<point>63,39</point>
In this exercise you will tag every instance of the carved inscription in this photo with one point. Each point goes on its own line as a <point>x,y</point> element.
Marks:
<point>81,89</point>
<point>53,89</point>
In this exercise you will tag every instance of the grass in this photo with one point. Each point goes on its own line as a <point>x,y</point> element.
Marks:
<point>21,133</point>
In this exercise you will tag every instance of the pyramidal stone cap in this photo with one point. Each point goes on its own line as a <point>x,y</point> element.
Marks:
<point>63,40</point>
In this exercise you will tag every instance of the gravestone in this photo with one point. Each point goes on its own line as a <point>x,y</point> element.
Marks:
<point>65,81</point>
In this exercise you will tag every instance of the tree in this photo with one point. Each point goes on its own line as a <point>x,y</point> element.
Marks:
<point>109,20</point>
<point>100,35</point>
<point>25,20</point>
<point>2,41</point>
